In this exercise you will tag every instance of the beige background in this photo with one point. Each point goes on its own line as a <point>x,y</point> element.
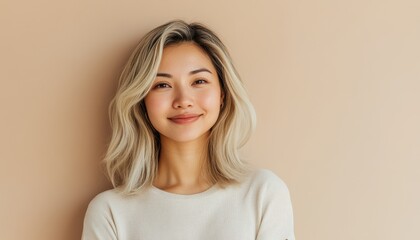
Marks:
<point>336,85</point>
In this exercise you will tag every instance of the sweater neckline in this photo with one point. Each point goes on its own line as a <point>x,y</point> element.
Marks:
<point>166,194</point>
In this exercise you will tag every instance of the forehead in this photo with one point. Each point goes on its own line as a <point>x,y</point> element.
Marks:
<point>184,57</point>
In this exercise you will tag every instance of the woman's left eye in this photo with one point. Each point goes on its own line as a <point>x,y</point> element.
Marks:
<point>200,81</point>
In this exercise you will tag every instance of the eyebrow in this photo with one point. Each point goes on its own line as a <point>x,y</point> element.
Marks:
<point>191,73</point>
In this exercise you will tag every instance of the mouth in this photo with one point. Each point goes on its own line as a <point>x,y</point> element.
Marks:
<point>185,118</point>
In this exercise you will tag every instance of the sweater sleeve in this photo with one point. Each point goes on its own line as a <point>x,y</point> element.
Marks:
<point>277,214</point>
<point>98,222</point>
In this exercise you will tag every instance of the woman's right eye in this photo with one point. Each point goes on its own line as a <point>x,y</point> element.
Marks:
<point>162,85</point>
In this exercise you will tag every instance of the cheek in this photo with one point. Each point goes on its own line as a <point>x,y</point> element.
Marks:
<point>154,105</point>
<point>211,100</point>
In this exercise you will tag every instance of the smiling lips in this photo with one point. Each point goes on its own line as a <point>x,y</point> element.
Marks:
<point>184,118</point>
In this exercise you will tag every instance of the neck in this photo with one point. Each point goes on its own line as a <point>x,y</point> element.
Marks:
<point>182,166</point>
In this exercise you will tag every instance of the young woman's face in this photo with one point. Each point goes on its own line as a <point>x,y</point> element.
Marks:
<point>184,102</point>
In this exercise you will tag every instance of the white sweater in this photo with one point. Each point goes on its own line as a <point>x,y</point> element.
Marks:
<point>258,208</point>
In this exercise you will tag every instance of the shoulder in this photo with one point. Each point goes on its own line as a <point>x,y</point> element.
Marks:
<point>105,197</point>
<point>274,206</point>
<point>99,217</point>
<point>267,178</point>
<point>266,184</point>
<point>103,201</point>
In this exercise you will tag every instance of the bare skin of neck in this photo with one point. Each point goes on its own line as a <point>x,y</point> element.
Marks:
<point>182,166</point>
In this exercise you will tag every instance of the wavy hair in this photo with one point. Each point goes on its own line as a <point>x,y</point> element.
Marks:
<point>131,159</point>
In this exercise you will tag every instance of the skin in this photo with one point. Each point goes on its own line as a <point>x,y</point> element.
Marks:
<point>183,104</point>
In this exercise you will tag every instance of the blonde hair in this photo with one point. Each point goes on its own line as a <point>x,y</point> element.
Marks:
<point>131,160</point>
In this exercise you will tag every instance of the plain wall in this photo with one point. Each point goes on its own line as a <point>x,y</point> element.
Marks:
<point>336,86</point>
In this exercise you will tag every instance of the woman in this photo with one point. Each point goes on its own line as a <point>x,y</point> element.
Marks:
<point>178,118</point>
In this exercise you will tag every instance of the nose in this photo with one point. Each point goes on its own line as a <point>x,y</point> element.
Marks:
<point>183,99</point>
